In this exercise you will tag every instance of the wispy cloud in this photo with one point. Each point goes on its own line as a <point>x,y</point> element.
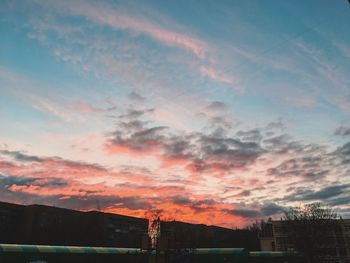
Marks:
<point>201,159</point>
<point>342,131</point>
<point>121,18</point>
<point>211,73</point>
<point>107,15</point>
<point>209,116</point>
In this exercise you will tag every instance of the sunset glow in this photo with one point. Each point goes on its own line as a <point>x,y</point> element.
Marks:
<point>213,112</point>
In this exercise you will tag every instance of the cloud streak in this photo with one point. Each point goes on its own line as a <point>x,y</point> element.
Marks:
<point>204,116</point>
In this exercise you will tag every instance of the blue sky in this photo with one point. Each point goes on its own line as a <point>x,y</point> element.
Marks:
<point>216,98</point>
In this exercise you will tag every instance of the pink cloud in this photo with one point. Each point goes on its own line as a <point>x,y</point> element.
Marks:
<point>115,18</point>
<point>59,181</point>
<point>85,107</point>
<point>213,74</point>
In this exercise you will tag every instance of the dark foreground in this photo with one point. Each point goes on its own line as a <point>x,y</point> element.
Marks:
<point>47,258</point>
<point>55,254</point>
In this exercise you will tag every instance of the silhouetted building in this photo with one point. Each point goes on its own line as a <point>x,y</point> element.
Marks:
<point>175,235</point>
<point>38,224</point>
<point>274,237</point>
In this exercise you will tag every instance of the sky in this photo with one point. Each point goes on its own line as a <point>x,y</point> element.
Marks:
<point>215,112</point>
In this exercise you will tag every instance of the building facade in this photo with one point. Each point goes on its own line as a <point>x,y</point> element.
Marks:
<point>274,237</point>
<point>38,224</point>
<point>177,235</point>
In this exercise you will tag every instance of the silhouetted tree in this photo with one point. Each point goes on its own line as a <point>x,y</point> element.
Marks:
<point>311,230</point>
<point>256,226</point>
<point>154,232</point>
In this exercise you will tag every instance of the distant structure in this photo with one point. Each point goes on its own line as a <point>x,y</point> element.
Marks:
<point>274,237</point>
<point>177,235</point>
<point>38,224</point>
<point>45,225</point>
